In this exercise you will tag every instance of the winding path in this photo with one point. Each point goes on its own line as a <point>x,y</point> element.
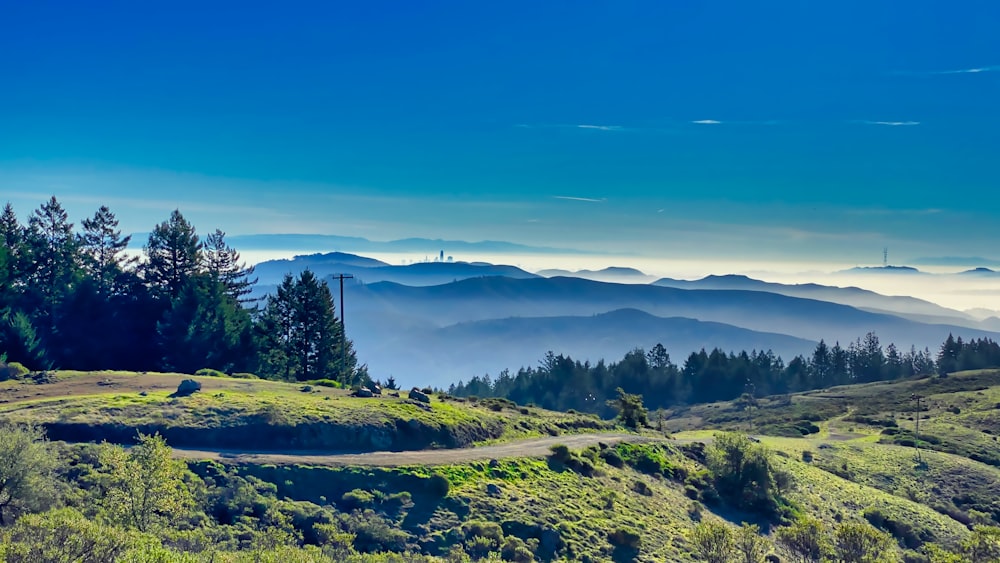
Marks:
<point>533,447</point>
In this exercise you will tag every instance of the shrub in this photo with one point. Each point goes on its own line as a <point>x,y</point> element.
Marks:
<point>438,485</point>
<point>210,372</point>
<point>560,453</point>
<point>327,383</point>
<point>357,499</point>
<point>623,537</point>
<point>244,375</point>
<point>13,370</point>
<point>807,456</point>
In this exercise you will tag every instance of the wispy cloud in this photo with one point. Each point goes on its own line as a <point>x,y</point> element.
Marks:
<point>591,126</point>
<point>892,123</point>
<point>587,199</point>
<point>601,127</point>
<point>972,70</point>
<point>706,122</point>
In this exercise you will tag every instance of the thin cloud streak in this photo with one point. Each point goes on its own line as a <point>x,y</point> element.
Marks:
<point>707,122</point>
<point>601,127</point>
<point>586,199</point>
<point>973,70</point>
<point>892,123</point>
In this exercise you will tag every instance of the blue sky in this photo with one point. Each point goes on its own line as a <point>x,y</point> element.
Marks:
<point>780,130</point>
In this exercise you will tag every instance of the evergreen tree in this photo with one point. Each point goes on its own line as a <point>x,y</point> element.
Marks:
<point>12,255</point>
<point>947,360</point>
<point>103,245</point>
<point>223,263</point>
<point>300,336</point>
<point>205,327</point>
<point>173,255</point>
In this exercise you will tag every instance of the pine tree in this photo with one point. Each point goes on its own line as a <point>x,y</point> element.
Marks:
<point>173,255</point>
<point>205,327</point>
<point>102,245</point>
<point>12,255</point>
<point>300,337</point>
<point>223,263</point>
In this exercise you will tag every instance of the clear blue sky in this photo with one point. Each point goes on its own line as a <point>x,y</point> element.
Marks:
<point>777,129</point>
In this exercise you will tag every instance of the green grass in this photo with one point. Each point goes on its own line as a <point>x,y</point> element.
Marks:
<point>273,415</point>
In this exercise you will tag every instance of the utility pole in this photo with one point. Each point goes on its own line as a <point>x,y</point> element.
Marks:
<point>750,389</point>
<point>343,329</point>
<point>916,441</point>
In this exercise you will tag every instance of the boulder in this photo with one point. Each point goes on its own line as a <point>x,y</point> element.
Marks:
<point>364,392</point>
<point>493,490</point>
<point>418,395</point>
<point>187,387</point>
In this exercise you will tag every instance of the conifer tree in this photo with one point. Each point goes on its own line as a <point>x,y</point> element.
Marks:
<point>173,255</point>
<point>223,263</point>
<point>102,246</point>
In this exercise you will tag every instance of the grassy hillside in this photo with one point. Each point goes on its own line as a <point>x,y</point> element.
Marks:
<point>613,501</point>
<point>265,415</point>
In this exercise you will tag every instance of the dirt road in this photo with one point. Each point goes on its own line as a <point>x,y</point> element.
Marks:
<point>534,447</point>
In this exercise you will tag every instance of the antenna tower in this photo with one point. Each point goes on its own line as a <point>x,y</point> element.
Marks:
<point>885,257</point>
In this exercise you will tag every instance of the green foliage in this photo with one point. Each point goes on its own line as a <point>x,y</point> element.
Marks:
<point>438,485</point>
<point>750,546</point>
<point>713,542</point>
<point>624,537</point>
<point>26,467</point>
<point>743,472</point>
<point>805,538</point>
<point>854,542</point>
<point>630,410</point>
<point>209,372</point>
<point>983,545</point>
<point>145,486</point>
<point>12,370</point>
<point>67,536</point>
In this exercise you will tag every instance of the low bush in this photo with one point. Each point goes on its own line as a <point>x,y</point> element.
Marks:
<point>624,537</point>
<point>209,372</point>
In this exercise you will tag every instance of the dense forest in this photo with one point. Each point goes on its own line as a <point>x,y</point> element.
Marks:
<point>561,383</point>
<point>77,299</point>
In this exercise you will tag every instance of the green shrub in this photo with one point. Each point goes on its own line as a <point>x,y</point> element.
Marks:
<point>210,372</point>
<point>560,453</point>
<point>623,537</point>
<point>13,370</point>
<point>438,485</point>
<point>327,383</point>
<point>357,499</point>
<point>244,375</point>
<point>807,456</point>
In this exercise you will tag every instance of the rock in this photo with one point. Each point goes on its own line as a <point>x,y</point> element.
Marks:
<point>187,387</point>
<point>364,393</point>
<point>143,393</point>
<point>394,394</point>
<point>376,390</point>
<point>418,395</point>
<point>493,490</point>
<point>494,463</point>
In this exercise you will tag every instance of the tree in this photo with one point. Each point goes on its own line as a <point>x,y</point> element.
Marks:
<point>63,535</point>
<point>19,340</point>
<point>751,547</point>
<point>713,542</point>
<point>947,360</point>
<point>173,255</point>
<point>855,542</point>
<point>12,255</point>
<point>102,245</point>
<point>205,327</point>
<point>805,538</point>
<point>300,337</point>
<point>743,471</point>
<point>26,470</point>
<point>222,262</point>
<point>630,409</point>
<point>145,485</point>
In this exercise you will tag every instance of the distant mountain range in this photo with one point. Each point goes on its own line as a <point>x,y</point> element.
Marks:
<point>907,307</point>
<point>448,354</point>
<point>612,274</point>
<point>433,323</point>
<point>367,270</point>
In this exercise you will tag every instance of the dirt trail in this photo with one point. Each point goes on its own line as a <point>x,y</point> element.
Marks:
<point>534,447</point>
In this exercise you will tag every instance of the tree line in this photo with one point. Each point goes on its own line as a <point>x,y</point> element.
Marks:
<point>77,299</point>
<point>561,383</point>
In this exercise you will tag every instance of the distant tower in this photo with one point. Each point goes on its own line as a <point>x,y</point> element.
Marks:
<point>441,259</point>
<point>885,257</point>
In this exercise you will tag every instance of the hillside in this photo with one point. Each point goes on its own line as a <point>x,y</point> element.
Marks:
<point>617,498</point>
<point>261,415</point>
